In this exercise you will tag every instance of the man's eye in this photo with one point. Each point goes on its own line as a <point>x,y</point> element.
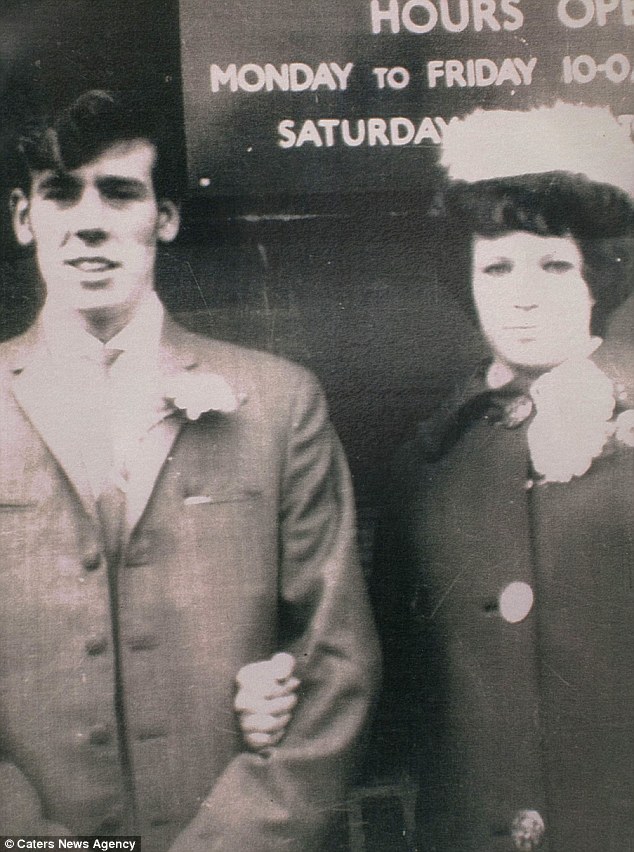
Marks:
<point>557,266</point>
<point>61,194</point>
<point>120,194</point>
<point>121,191</point>
<point>502,267</point>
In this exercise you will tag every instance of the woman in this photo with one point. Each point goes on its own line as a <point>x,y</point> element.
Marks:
<point>505,577</point>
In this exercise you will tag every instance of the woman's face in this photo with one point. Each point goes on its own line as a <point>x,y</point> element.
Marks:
<point>532,301</point>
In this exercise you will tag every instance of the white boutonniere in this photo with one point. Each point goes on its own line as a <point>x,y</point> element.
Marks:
<point>574,405</point>
<point>199,393</point>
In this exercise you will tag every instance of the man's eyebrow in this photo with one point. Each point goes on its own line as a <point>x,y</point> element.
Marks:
<point>57,179</point>
<point>121,181</point>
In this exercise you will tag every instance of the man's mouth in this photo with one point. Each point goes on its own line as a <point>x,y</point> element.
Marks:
<point>92,264</point>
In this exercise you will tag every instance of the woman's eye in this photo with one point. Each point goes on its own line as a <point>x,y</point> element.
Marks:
<point>502,267</point>
<point>557,266</point>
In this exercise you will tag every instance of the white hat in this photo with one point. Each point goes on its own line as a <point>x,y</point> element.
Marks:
<point>565,137</point>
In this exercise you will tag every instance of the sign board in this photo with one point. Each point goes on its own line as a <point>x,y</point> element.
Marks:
<point>299,96</point>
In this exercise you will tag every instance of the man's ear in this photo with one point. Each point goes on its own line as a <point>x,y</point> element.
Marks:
<point>20,216</point>
<point>169,220</point>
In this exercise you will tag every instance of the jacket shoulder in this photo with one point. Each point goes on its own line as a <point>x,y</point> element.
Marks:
<point>242,364</point>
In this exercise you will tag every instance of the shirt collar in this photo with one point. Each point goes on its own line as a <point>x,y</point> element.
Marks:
<point>68,341</point>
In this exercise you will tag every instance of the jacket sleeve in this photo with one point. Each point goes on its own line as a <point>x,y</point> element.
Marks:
<point>286,798</point>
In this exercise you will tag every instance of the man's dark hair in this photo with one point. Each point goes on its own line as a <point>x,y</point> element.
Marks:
<point>89,125</point>
<point>599,217</point>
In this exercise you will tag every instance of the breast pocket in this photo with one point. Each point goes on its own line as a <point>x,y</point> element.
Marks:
<point>227,537</point>
<point>221,497</point>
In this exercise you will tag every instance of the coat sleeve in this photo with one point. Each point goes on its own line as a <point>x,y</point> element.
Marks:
<point>286,798</point>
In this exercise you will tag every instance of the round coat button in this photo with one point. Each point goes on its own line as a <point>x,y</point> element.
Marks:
<point>527,830</point>
<point>516,601</point>
<point>92,562</point>
<point>96,645</point>
<point>100,735</point>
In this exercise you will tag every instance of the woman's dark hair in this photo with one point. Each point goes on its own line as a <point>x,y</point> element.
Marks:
<point>599,217</point>
<point>94,121</point>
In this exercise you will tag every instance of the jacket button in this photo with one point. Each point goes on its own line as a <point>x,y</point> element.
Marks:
<point>515,602</point>
<point>527,830</point>
<point>96,645</point>
<point>100,735</point>
<point>93,561</point>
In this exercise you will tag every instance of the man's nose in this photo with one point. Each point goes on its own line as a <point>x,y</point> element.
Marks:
<point>91,236</point>
<point>89,218</point>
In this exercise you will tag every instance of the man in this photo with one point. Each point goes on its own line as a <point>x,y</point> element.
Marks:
<point>172,508</point>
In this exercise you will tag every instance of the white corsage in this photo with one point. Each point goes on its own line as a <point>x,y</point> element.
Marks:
<point>574,405</point>
<point>199,393</point>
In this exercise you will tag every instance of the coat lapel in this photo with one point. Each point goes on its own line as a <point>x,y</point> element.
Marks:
<point>43,393</point>
<point>176,357</point>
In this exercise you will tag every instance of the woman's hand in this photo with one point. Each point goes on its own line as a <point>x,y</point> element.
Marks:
<point>265,700</point>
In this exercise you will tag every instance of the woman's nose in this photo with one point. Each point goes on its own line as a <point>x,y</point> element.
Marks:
<point>526,297</point>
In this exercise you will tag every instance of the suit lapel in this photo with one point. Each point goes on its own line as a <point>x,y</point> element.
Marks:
<point>44,394</point>
<point>175,357</point>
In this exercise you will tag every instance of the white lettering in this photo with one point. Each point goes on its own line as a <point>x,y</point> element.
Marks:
<point>406,126</point>
<point>398,132</point>
<point>221,78</point>
<point>484,12</point>
<point>526,69</point>
<point>348,139</point>
<point>429,10</point>
<point>480,73</point>
<point>377,132</point>
<point>391,15</point>
<point>309,133</point>
<point>285,130</point>
<point>508,74</point>
<point>576,14</point>
<point>485,72</point>
<point>427,131</point>
<point>455,73</point>
<point>329,125</point>
<point>445,17</point>
<point>342,74</point>
<point>293,77</point>
<point>516,16</point>
<point>257,72</point>
<point>435,70</point>
<point>603,7</point>
<point>453,16</point>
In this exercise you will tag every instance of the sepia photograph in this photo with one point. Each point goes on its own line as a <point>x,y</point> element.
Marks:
<point>317,425</point>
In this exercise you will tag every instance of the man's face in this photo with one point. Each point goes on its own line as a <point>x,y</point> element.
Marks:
<point>95,229</point>
<point>533,303</point>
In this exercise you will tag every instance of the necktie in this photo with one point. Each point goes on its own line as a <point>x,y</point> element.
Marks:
<point>111,499</point>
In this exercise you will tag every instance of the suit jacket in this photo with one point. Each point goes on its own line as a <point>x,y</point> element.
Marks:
<point>240,540</point>
<point>511,716</point>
